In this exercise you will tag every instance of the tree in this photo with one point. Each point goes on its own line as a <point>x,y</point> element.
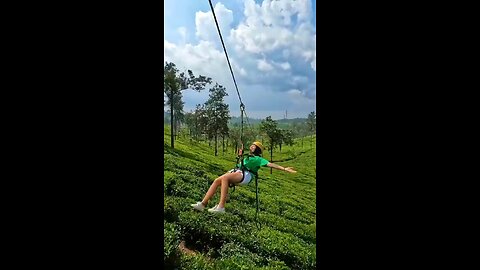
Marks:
<point>311,122</point>
<point>234,135</point>
<point>300,130</point>
<point>295,130</point>
<point>288,137</point>
<point>280,138</point>
<point>224,133</point>
<point>312,125</point>
<point>269,127</point>
<point>201,121</point>
<point>217,112</point>
<point>190,122</point>
<point>285,136</point>
<point>249,135</point>
<point>179,113</point>
<point>174,83</point>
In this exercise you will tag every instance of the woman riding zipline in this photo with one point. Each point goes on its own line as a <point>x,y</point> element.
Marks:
<point>251,164</point>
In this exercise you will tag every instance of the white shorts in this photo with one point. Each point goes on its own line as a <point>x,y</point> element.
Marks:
<point>246,179</point>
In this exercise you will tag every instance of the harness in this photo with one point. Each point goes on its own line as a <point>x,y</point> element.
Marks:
<point>243,168</point>
<point>255,174</point>
<point>242,109</point>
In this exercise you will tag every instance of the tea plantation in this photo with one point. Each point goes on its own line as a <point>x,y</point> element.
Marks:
<point>283,238</point>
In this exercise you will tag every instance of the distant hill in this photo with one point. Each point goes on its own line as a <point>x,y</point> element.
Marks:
<point>238,120</point>
<point>254,121</point>
<point>282,123</point>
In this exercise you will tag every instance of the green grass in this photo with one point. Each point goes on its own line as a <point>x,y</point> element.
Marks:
<point>286,236</point>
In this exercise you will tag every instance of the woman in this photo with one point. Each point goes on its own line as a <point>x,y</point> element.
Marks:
<point>252,164</point>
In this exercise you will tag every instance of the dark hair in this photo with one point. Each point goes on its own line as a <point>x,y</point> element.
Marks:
<point>257,151</point>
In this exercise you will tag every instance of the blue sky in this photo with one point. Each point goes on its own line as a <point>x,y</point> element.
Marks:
<point>271,46</point>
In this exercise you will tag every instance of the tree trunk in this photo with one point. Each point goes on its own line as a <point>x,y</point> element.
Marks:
<point>178,131</point>
<point>195,129</point>
<point>215,144</point>
<point>271,154</point>
<point>223,144</point>
<point>175,130</point>
<point>171,118</point>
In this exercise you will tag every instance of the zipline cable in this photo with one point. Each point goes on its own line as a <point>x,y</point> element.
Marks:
<point>242,106</point>
<point>226,54</point>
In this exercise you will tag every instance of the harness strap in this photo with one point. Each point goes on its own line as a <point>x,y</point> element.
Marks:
<point>259,225</point>
<point>243,173</point>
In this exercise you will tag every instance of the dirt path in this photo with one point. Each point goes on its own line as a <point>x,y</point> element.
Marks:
<point>184,249</point>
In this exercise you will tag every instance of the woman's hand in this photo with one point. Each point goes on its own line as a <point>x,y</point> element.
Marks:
<point>290,169</point>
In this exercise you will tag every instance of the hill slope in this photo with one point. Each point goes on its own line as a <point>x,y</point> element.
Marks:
<point>285,236</point>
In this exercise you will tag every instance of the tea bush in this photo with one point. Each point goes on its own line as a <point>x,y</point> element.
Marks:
<point>233,240</point>
<point>195,262</point>
<point>170,243</point>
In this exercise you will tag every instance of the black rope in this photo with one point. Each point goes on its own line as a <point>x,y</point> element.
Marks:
<point>226,54</point>
<point>259,225</point>
<point>248,122</point>
<point>242,108</point>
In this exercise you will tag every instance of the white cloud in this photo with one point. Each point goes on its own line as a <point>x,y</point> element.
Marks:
<point>313,64</point>
<point>183,33</point>
<point>294,92</point>
<point>200,55</point>
<point>205,23</point>
<point>300,97</point>
<point>263,65</point>
<point>273,36</point>
<point>204,59</point>
<point>243,72</point>
<point>285,66</point>
<point>269,27</point>
<point>259,38</point>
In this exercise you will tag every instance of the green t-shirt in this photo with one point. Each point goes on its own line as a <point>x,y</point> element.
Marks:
<point>253,163</point>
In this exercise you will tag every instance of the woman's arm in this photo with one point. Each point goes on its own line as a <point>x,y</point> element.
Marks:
<point>278,167</point>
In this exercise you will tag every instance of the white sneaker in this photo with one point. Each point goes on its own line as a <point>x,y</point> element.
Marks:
<point>198,206</point>
<point>216,209</point>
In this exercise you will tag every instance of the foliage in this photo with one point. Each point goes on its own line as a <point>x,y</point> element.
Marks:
<point>175,82</point>
<point>287,236</point>
<point>170,242</point>
<point>311,122</point>
<point>217,113</point>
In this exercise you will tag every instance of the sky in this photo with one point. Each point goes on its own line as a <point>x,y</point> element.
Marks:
<point>270,44</point>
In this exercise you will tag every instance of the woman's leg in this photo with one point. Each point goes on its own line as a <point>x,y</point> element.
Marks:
<point>213,188</point>
<point>235,177</point>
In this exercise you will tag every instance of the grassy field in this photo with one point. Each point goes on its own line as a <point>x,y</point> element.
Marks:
<point>286,234</point>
